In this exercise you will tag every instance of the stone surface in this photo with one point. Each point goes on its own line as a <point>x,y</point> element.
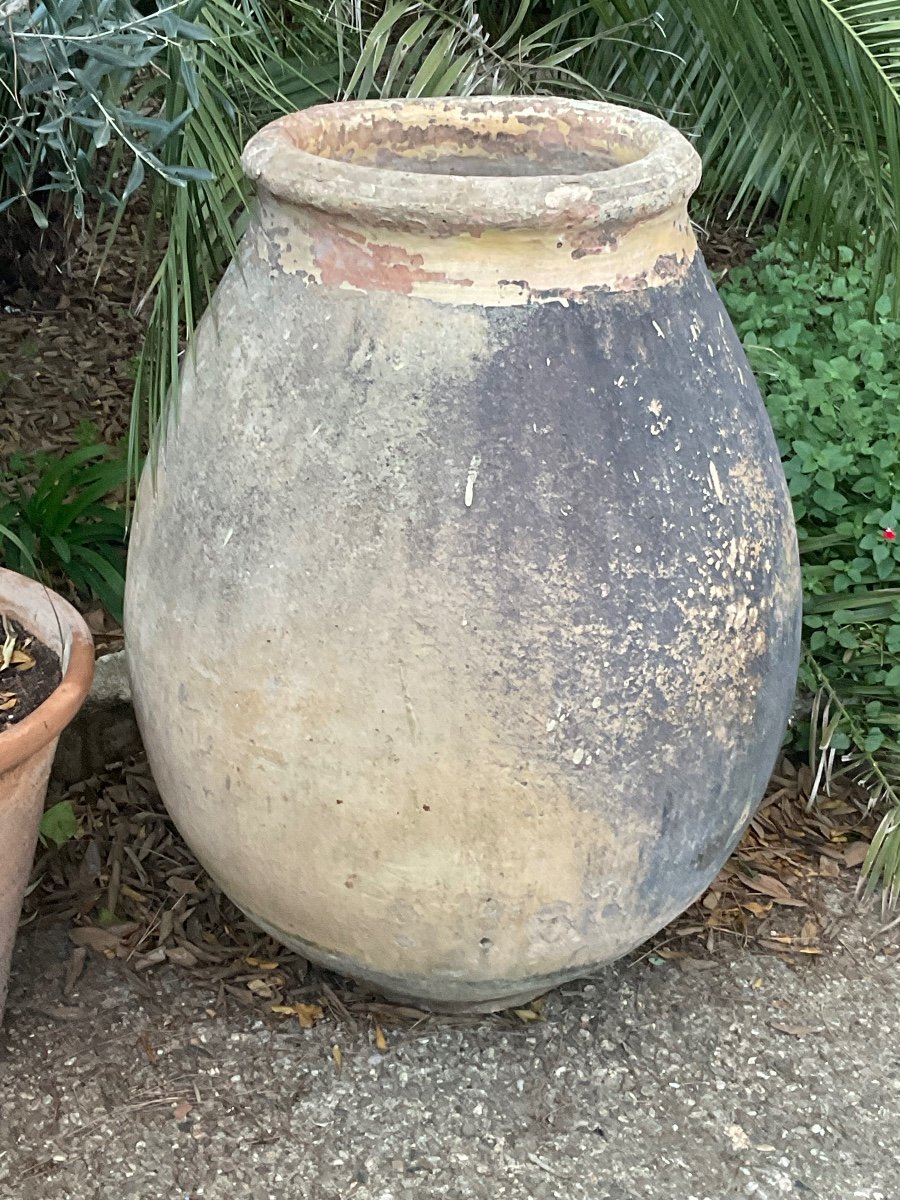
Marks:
<point>111,683</point>
<point>745,1076</point>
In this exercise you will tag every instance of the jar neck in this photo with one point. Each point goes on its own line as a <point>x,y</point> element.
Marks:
<point>488,267</point>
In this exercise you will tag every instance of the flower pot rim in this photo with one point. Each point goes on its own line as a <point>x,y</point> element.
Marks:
<point>655,167</point>
<point>20,596</point>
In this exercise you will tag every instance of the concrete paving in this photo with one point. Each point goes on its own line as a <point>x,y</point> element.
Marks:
<point>737,1074</point>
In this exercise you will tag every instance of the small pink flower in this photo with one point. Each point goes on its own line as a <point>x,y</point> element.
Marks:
<point>889,535</point>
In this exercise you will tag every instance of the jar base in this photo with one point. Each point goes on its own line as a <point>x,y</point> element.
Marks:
<point>397,991</point>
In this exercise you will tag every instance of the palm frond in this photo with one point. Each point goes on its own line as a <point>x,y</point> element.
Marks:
<point>796,103</point>
<point>252,69</point>
<point>876,770</point>
<point>791,102</point>
<point>264,59</point>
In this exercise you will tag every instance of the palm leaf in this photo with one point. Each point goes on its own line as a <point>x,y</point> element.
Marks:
<point>792,102</point>
<point>245,78</point>
<point>805,113</point>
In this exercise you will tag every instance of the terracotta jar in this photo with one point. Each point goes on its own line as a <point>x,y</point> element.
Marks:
<point>463,621</point>
<point>27,748</point>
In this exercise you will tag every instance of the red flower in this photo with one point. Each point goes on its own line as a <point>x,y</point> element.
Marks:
<point>889,535</point>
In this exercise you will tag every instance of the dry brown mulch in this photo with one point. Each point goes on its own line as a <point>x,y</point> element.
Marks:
<point>109,637</point>
<point>769,895</point>
<point>68,338</point>
<point>726,245</point>
<point>67,343</point>
<point>136,894</point>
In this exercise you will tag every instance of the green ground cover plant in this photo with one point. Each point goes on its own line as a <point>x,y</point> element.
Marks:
<point>827,362</point>
<point>63,520</point>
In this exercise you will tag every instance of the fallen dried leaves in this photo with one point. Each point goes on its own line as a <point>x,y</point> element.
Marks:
<point>787,850</point>
<point>306,1014</point>
<point>67,348</point>
<point>770,886</point>
<point>137,896</point>
<point>22,688</point>
<point>795,1030</point>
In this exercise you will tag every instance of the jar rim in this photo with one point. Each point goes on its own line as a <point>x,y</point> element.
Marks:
<point>465,164</point>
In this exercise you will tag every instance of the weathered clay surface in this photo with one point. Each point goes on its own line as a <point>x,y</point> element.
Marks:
<point>492,202</point>
<point>463,636</point>
<point>26,749</point>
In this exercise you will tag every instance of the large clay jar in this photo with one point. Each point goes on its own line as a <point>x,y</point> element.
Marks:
<point>463,618</point>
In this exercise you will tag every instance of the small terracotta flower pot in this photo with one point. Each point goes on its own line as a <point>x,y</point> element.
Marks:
<point>27,748</point>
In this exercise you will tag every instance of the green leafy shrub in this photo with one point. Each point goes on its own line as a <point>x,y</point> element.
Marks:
<point>105,98</point>
<point>59,824</point>
<point>830,373</point>
<point>62,520</point>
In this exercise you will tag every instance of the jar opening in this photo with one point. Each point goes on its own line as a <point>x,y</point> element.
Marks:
<point>481,142</point>
<point>478,162</point>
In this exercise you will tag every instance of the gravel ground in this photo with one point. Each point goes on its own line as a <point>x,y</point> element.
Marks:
<point>736,1075</point>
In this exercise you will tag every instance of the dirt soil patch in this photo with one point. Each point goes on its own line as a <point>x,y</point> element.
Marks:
<point>726,244</point>
<point>29,672</point>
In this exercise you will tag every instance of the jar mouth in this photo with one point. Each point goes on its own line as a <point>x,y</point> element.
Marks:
<point>474,163</point>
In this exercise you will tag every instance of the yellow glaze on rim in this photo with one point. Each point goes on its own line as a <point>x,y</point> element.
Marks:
<point>478,201</point>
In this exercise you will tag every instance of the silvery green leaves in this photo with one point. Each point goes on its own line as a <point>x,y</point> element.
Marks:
<point>90,75</point>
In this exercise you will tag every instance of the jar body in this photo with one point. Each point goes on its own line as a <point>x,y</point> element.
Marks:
<point>463,634</point>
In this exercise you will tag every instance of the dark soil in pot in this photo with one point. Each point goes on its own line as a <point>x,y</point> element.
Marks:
<point>29,672</point>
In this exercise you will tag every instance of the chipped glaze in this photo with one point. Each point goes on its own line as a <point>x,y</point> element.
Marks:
<point>329,212</point>
<point>464,619</point>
